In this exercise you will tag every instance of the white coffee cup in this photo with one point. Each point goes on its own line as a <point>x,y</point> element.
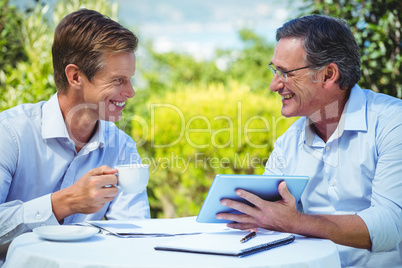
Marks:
<point>132,178</point>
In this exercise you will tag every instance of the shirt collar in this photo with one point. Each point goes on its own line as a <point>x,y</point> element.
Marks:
<point>353,118</point>
<point>52,120</point>
<point>97,140</point>
<point>310,137</point>
<point>356,117</point>
<point>53,125</point>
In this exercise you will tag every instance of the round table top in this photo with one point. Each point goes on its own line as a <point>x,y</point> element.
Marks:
<point>28,250</point>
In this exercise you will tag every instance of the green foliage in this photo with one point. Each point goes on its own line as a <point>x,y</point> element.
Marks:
<point>250,65</point>
<point>190,135</point>
<point>376,25</point>
<point>31,79</point>
<point>193,119</point>
<point>11,40</point>
<point>167,71</point>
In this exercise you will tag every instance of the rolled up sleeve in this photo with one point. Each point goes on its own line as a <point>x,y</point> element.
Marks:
<point>384,225</point>
<point>384,217</point>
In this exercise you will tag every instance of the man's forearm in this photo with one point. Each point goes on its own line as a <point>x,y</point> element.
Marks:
<point>347,230</point>
<point>59,204</point>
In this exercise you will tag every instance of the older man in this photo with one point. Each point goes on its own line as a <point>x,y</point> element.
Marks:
<point>348,141</point>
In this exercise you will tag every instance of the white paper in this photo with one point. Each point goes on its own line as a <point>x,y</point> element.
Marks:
<point>178,226</point>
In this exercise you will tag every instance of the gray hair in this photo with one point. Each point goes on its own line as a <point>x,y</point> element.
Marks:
<point>326,40</point>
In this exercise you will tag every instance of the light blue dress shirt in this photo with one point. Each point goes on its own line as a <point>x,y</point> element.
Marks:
<point>37,158</point>
<point>357,171</point>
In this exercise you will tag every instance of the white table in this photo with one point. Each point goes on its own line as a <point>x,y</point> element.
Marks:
<point>28,250</point>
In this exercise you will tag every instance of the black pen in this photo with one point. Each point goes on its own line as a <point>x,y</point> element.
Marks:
<point>248,237</point>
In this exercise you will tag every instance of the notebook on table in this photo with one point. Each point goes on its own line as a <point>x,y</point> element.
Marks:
<point>226,244</point>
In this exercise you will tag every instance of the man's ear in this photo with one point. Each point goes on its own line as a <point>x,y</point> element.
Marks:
<point>331,75</point>
<point>73,76</point>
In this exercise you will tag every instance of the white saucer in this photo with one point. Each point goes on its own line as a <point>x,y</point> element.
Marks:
<point>65,232</point>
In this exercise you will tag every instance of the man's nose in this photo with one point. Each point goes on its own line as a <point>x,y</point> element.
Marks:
<point>129,91</point>
<point>276,83</point>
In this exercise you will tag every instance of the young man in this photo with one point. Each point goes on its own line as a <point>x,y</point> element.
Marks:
<point>348,141</point>
<point>57,157</point>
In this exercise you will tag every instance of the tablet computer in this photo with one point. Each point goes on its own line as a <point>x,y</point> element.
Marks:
<point>264,186</point>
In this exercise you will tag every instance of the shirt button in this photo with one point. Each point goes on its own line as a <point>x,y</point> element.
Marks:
<point>38,216</point>
<point>43,224</point>
<point>327,148</point>
<point>332,183</point>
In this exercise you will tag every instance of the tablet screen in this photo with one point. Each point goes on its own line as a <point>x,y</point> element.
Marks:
<point>264,186</point>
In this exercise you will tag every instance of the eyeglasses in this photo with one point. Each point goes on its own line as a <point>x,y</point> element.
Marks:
<point>283,75</point>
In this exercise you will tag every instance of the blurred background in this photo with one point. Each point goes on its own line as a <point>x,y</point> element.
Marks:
<point>203,105</point>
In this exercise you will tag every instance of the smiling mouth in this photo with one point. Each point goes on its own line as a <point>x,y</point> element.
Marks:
<point>119,104</point>
<point>287,96</point>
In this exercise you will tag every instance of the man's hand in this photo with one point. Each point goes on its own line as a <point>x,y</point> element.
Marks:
<point>88,195</point>
<point>281,215</point>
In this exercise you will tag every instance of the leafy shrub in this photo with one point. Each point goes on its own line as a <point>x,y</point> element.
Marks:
<point>189,135</point>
